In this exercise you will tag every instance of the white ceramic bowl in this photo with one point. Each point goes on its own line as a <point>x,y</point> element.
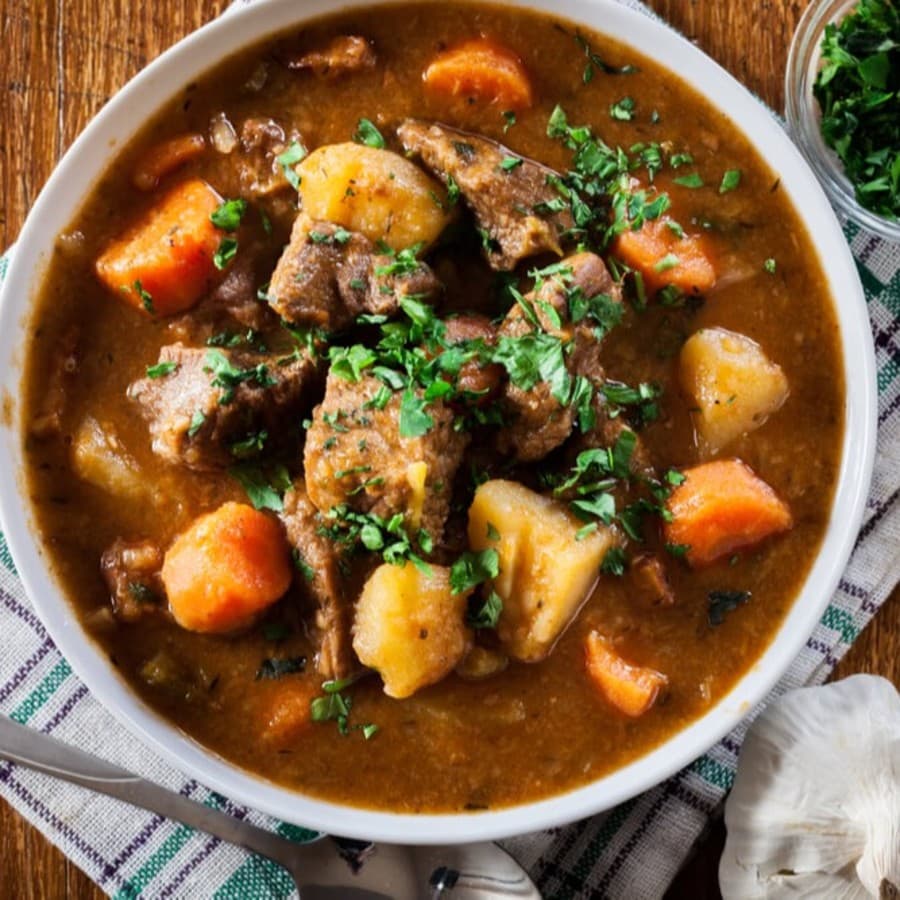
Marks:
<point>60,201</point>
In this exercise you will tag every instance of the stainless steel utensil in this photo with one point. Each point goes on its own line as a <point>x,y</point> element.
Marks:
<point>326,869</point>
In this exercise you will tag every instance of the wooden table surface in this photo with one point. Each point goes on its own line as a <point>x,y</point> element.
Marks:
<point>63,59</point>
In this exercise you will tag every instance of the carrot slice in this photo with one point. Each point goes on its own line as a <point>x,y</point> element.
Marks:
<point>629,688</point>
<point>484,70</point>
<point>166,157</point>
<point>287,714</point>
<point>226,568</point>
<point>163,264</point>
<point>720,507</point>
<point>665,257</point>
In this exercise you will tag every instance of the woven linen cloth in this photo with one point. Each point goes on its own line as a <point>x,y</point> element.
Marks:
<point>632,851</point>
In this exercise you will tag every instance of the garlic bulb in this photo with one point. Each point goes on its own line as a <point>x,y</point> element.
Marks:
<point>815,808</point>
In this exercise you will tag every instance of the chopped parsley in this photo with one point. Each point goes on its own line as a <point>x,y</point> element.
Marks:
<point>197,420</point>
<point>226,252</point>
<point>723,602</point>
<point>509,119</point>
<point>484,613</point>
<point>338,236</point>
<point>228,214</point>
<point>508,163</point>
<point>366,133</point>
<point>622,110</point>
<point>473,568</point>
<point>278,667</point>
<point>730,180</point>
<point>694,180</point>
<point>614,562</point>
<point>858,90</point>
<point>596,62</point>
<point>265,487</point>
<point>288,159</point>
<point>387,537</point>
<point>301,565</point>
<point>160,370</point>
<point>145,297</point>
<point>227,376</point>
<point>770,266</point>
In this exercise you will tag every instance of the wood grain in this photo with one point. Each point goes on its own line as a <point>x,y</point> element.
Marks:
<point>64,58</point>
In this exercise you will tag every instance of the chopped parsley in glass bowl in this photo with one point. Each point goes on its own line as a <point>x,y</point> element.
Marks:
<point>842,90</point>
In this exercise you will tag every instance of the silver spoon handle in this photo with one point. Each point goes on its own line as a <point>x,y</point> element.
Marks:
<point>45,754</point>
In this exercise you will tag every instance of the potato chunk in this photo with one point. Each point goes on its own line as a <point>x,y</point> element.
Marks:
<point>545,573</point>
<point>376,192</point>
<point>733,383</point>
<point>99,457</point>
<point>410,627</point>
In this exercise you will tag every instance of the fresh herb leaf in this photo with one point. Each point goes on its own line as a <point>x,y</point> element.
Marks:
<point>145,297</point>
<point>288,159</point>
<point>197,420</point>
<point>723,602</point>
<point>730,180</point>
<point>484,613</point>
<point>509,119</point>
<point>472,568</point>
<point>414,420</point>
<point>226,252</point>
<point>770,266</point>
<point>366,133</point>
<point>622,110</point>
<point>265,488</point>
<point>614,562</point>
<point>694,180</point>
<point>160,370</point>
<point>278,667</point>
<point>228,214</point>
<point>508,163</point>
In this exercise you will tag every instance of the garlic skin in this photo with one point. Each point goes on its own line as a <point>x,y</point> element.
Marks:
<point>815,807</point>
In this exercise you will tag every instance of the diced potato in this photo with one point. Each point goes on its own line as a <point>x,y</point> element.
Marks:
<point>99,458</point>
<point>630,689</point>
<point>376,192</point>
<point>545,573</point>
<point>735,386</point>
<point>409,627</point>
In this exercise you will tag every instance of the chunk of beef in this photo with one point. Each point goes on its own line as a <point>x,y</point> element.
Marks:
<point>131,571</point>
<point>355,455</point>
<point>342,55</point>
<point>328,276</point>
<point>321,580</point>
<point>47,422</point>
<point>538,421</point>
<point>262,142</point>
<point>215,405</point>
<point>649,582</point>
<point>480,381</point>
<point>507,201</point>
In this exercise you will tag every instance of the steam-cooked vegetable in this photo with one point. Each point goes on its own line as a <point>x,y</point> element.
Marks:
<point>734,386</point>
<point>410,626</point>
<point>546,572</point>
<point>629,688</point>
<point>376,192</point>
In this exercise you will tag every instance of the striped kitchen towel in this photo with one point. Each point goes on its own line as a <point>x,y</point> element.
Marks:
<point>632,851</point>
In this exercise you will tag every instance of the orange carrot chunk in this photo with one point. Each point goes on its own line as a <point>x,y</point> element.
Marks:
<point>163,264</point>
<point>225,569</point>
<point>720,507</point>
<point>665,257</point>
<point>484,70</point>
<point>166,157</point>
<point>288,713</point>
<point>630,689</point>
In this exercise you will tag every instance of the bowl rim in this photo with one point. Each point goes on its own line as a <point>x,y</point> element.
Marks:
<point>802,114</point>
<point>71,183</point>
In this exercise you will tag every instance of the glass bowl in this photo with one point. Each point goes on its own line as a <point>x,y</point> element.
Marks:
<point>803,115</point>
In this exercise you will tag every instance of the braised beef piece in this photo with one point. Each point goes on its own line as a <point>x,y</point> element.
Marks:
<point>342,55</point>
<point>479,381</point>
<point>217,406</point>
<point>355,455</point>
<point>507,200</point>
<point>131,571</point>
<point>262,142</point>
<point>47,422</point>
<point>538,422</point>
<point>327,276</point>
<point>649,582</point>
<point>320,580</point>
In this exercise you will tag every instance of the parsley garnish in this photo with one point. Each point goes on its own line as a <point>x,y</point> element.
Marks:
<point>278,667</point>
<point>228,376</point>
<point>509,119</point>
<point>287,160</point>
<point>770,265</point>
<point>694,180</point>
<point>226,252</point>
<point>145,296</point>
<point>486,613</point>
<point>228,215</point>
<point>730,180</point>
<point>508,163</point>
<point>723,602</point>
<point>265,488</point>
<point>472,568</point>
<point>614,562</point>
<point>160,370</point>
<point>197,420</point>
<point>301,565</point>
<point>858,89</point>
<point>622,110</point>
<point>366,133</point>
<point>594,61</point>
